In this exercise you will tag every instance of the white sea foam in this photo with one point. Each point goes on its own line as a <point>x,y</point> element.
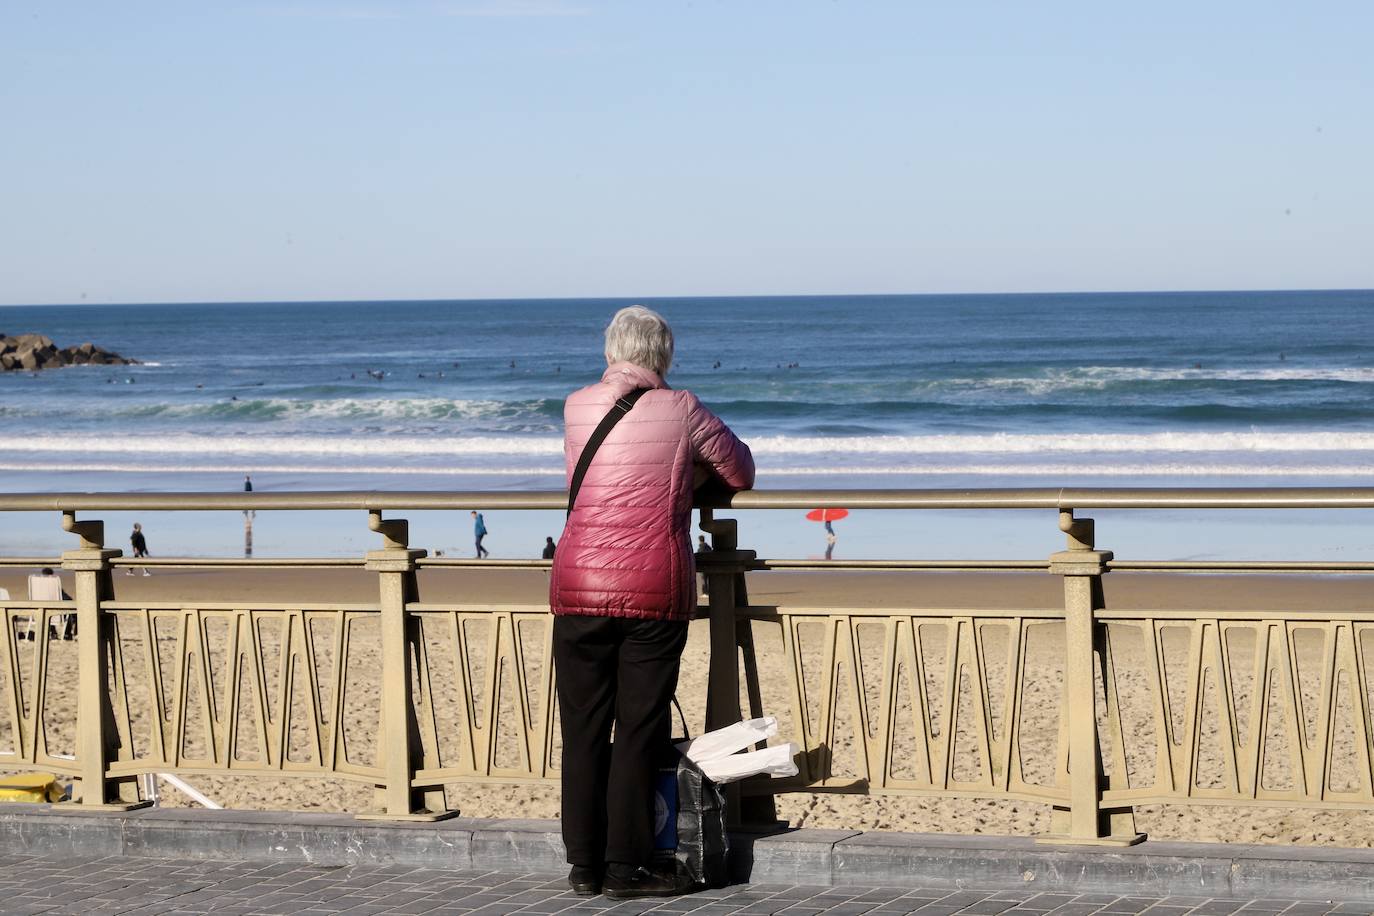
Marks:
<point>257,468</point>
<point>1049,443</point>
<point>451,447</point>
<point>1050,469</point>
<point>1272,374</point>
<point>276,409</point>
<point>1094,378</point>
<point>248,445</point>
<point>1162,469</point>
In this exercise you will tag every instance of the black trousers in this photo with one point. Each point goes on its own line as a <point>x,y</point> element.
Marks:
<point>622,671</point>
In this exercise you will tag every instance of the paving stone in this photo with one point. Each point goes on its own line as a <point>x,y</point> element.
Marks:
<point>964,898</point>
<point>1050,901</point>
<point>989,907</point>
<point>135,887</point>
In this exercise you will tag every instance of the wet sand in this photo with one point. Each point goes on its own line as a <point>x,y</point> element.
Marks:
<point>799,588</point>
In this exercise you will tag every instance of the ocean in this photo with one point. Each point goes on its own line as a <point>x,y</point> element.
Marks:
<point>1088,389</point>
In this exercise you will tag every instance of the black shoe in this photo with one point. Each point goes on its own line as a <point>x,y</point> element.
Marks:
<point>585,881</point>
<point>645,883</point>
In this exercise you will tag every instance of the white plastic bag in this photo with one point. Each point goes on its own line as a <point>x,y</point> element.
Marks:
<point>727,740</point>
<point>776,761</point>
<point>715,752</point>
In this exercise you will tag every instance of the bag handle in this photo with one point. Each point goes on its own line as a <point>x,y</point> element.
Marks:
<point>686,733</point>
<point>584,461</point>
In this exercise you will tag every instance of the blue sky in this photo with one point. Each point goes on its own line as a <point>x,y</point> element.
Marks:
<point>323,149</point>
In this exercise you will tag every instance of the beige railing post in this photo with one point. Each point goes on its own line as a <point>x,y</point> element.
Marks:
<point>401,750</point>
<point>722,682</point>
<point>1084,820</point>
<point>724,569</point>
<point>97,736</point>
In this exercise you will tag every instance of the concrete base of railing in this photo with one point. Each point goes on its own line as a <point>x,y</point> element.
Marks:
<point>813,857</point>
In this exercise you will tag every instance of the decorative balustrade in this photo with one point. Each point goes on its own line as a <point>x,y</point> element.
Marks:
<point>1086,708</point>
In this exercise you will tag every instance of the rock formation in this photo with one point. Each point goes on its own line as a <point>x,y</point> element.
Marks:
<point>31,352</point>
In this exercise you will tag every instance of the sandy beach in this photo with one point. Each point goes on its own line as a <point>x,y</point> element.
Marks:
<point>817,589</point>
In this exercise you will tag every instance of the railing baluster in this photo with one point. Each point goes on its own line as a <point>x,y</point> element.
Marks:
<point>97,740</point>
<point>400,747</point>
<point>724,572</point>
<point>1084,820</point>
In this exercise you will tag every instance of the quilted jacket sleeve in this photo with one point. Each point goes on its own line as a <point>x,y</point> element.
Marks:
<point>716,447</point>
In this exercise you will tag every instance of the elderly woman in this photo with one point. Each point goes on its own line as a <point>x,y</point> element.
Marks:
<point>623,590</point>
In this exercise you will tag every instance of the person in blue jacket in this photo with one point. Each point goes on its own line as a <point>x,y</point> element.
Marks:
<point>479,531</point>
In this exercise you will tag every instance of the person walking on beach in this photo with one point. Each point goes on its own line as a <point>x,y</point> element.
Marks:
<point>479,531</point>
<point>247,484</point>
<point>140,546</point>
<point>549,548</point>
<point>704,584</point>
<point>622,595</point>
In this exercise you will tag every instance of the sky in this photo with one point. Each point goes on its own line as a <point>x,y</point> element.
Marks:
<point>425,149</point>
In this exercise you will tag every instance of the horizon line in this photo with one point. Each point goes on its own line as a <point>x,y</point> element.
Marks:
<point>679,297</point>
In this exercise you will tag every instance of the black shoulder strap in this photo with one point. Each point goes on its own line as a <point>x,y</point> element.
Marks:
<point>584,461</point>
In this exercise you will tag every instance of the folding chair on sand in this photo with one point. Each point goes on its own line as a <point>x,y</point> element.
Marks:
<point>48,588</point>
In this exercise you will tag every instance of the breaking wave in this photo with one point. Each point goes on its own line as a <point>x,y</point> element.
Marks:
<point>288,409</point>
<point>1000,443</point>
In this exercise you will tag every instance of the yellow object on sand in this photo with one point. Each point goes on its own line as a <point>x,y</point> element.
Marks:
<point>30,787</point>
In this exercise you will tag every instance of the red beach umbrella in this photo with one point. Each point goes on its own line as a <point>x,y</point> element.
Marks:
<point>827,515</point>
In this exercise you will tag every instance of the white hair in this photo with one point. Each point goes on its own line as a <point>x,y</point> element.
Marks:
<point>640,336</point>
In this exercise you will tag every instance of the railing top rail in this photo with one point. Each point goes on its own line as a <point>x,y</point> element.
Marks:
<point>986,498</point>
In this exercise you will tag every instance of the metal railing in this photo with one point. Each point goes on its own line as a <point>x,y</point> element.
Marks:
<point>1089,709</point>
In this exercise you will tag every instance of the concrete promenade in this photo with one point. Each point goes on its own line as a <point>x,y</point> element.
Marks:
<point>145,886</point>
<point>54,858</point>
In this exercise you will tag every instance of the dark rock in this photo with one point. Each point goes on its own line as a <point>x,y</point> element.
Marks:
<point>30,352</point>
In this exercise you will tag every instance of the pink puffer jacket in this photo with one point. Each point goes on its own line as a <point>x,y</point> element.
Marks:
<point>625,551</point>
